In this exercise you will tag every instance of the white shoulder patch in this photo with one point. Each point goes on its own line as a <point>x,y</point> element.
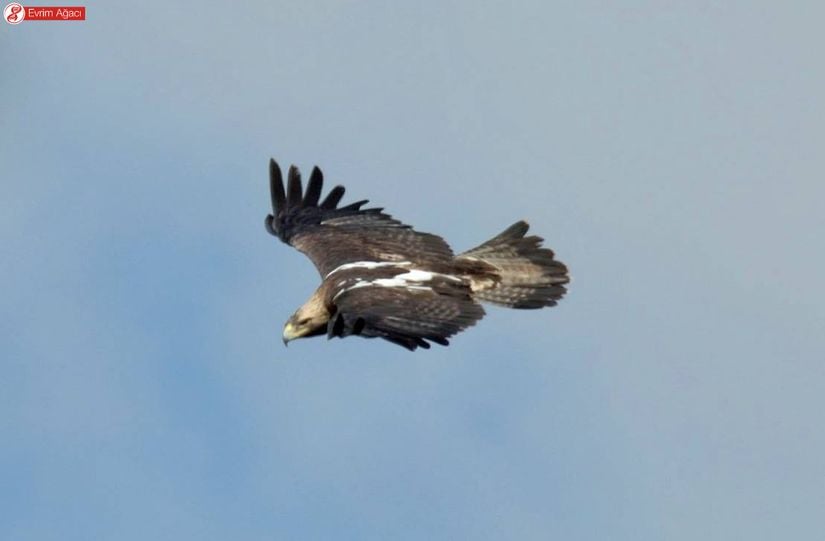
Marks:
<point>402,280</point>
<point>414,279</point>
<point>367,265</point>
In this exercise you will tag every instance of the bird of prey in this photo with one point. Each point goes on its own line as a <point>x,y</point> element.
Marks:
<point>381,278</point>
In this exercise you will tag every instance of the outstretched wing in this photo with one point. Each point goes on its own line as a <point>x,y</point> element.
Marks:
<point>332,236</point>
<point>408,317</point>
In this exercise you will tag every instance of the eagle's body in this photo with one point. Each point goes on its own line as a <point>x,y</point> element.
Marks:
<point>381,278</point>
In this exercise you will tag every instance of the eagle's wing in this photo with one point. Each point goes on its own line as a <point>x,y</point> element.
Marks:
<point>332,236</point>
<point>405,316</point>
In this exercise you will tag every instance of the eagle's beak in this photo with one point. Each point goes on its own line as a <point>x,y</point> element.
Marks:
<point>290,332</point>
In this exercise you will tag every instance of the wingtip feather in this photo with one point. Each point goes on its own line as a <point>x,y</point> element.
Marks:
<point>295,188</point>
<point>333,198</point>
<point>276,186</point>
<point>356,206</point>
<point>314,187</point>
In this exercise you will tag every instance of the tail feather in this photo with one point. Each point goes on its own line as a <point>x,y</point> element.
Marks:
<point>515,271</point>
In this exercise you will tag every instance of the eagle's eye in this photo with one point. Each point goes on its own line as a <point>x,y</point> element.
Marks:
<point>302,322</point>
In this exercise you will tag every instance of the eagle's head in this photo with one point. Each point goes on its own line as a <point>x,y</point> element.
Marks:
<point>309,320</point>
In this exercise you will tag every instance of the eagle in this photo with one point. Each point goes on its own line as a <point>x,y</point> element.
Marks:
<point>380,278</point>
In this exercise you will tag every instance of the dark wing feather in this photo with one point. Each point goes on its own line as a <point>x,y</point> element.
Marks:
<point>332,236</point>
<point>316,183</point>
<point>295,190</point>
<point>408,317</point>
<point>276,186</point>
<point>333,198</point>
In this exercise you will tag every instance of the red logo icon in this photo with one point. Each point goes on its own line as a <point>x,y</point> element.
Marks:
<point>14,13</point>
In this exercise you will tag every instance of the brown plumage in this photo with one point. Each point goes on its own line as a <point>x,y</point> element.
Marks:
<point>383,279</point>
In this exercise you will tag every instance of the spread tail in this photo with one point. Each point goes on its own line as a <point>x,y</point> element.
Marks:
<point>515,271</point>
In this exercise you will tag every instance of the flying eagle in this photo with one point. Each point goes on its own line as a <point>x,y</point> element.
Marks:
<point>383,279</point>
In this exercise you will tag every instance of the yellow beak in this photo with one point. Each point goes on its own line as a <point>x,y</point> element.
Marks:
<point>291,332</point>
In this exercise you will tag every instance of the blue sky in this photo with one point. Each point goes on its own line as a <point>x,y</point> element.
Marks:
<point>671,154</point>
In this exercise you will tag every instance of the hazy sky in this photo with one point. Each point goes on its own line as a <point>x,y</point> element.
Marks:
<point>672,153</point>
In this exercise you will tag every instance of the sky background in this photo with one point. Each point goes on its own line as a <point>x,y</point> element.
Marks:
<point>671,153</point>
